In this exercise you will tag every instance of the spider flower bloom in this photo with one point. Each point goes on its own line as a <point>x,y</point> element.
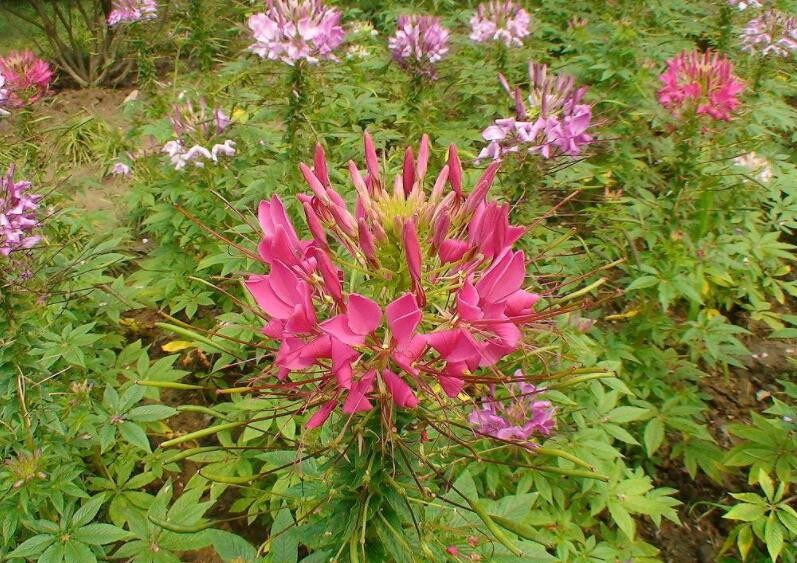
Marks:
<point>552,121</point>
<point>17,215</point>
<point>519,417</point>
<point>27,78</point>
<point>771,33</point>
<point>296,30</point>
<point>700,82</point>
<point>419,43</point>
<point>757,165</point>
<point>199,125</point>
<point>500,21</point>
<point>130,11</point>
<point>441,293</point>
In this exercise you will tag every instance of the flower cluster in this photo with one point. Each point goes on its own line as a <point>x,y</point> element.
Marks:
<point>758,165</point>
<point>441,287</point>
<point>419,43</point>
<point>195,126</point>
<point>27,78</point>
<point>296,30</point>
<point>502,21</point>
<point>518,418</point>
<point>17,215</point>
<point>130,11</point>
<point>552,122</point>
<point>700,82</point>
<point>744,4</point>
<point>771,33</point>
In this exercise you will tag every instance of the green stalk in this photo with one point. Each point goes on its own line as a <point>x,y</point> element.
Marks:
<point>495,530</point>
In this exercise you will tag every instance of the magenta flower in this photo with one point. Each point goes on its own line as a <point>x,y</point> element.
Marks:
<point>519,417</point>
<point>27,78</point>
<point>553,121</point>
<point>771,33</point>
<point>501,21</point>
<point>700,82</point>
<point>296,30</point>
<point>420,42</point>
<point>17,215</point>
<point>130,11</point>
<point>441,292</point>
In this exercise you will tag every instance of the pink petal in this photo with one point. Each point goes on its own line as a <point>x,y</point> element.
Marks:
<point>364,315</point>
<point>321,415</point>
<point>401,392</point>
<point>403,317</point>
<point>357,400</point>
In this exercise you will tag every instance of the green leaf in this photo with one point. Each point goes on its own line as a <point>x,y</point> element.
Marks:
<point>87,512</point>
<point>135,435</point>
<point>744,541</point>
<point>745,512</point>
<point>283,545</point>
<point>628,414</point>
<point>774,537</point>
<point>622,518</point>
<point>100,534</point>
<point>76,551</point>
<point>33,546</point>
<point>654,435</point>
<point>642,283</point>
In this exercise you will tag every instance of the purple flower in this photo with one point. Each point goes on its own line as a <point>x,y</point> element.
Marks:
<point>17,215</point>
<point>295,30</point>
<point>120,169</point>
<point>519,417</point>
<point>130,11</point>
<point>500,21</point>
<point>773,32</point>
<point>419,43</point>
<point>553,121</point>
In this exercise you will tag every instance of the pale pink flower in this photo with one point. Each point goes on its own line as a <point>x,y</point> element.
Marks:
<point>296,30</point>
<point>27,78</point>
<point>409,243</point>
<point>502,21</point>
<point>130,11</point>
<point>552,121</point>
<point>120,169</point>
<point>702,83</point>
<point>17,215</point>
<point>771,33</point>
<point>420,42</point>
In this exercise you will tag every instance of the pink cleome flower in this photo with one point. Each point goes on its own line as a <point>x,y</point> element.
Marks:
<point>420,42</point>
<point>771,33</point>
<point>27,78</point>
<point>130,11</point>
<point>441,291</point>
<point>17,215</point>
<point>519,417</point>
<point>296,30</point>
<point>502,21</point>
<point>553,121</point>
<point>700,82</point>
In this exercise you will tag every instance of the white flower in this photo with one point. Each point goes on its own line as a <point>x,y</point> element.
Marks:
<point>225,149</point>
